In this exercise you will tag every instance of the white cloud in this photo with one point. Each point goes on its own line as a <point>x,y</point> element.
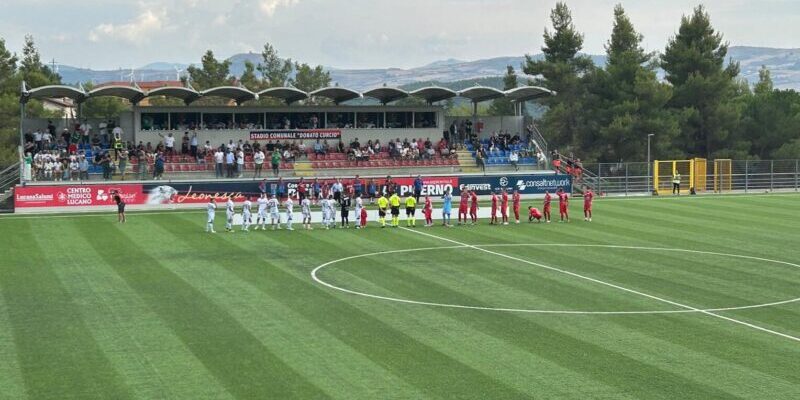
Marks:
<point>268,7</point>
<point>149,22</point>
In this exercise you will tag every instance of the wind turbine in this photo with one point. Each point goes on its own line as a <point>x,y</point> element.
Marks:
<point>132,75</point>
<point>177,72</point>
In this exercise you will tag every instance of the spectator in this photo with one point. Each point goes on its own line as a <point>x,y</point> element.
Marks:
<point>105,164</point>
<point>258,158</point>
<point>169,143</point>
<point>240,162</point>
<point>276,162</point>
<point>158,166</point>
<point>193,145</point>
<point>513,158</point>
<point>185,143</point>
<point>74,169</point>
<point>230,163</point>
<point>123,162</point>
<point>143,160</point>
<point>480,160</point>
<point>219,159</point>
<point>83,168</point>
<point>318,149</point>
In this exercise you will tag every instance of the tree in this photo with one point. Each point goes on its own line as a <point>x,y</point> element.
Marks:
<point>503,105</point>
<point>764,85</point>
<point>212,73</point>
<point>33,71</point>
<point>563,69</point>
<point>309,79</point>
<point>272,68</point>
<point>249,79</point>
<point>8,64</point>
<point>703,86</point>
<point>107,107</point>
<point>628,100</point>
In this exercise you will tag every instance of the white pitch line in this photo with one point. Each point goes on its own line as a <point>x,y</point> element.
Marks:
<point>609,284</point>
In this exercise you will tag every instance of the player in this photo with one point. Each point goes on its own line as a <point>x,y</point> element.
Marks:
<point>120,207</point>
<point>344,203</point>
<point>563,204</point>
<point>533,213</point>
<point>411,209</point>
<point>247,217</point>
<point>504,206</point>
<point>262,212</point>
<point>493,220</point>
<point>211,210</point>
<point>446,207</point>
<point>362,215</point>
<point>383,204</point>
<point>305,207</point>
<point>473,207</point>
<point>546,207</point>
<point>515,198</point>
<point>462,206</point>
<point>588,197</point>
<point>359,207</point>
<point>289,204</point>
<point>428,211</point>
<point>394,203</point>
<point>272,205</point>
<point>229,211</point>
<point>326,213</point>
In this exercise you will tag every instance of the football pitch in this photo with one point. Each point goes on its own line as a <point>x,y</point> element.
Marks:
<point>673,298</point>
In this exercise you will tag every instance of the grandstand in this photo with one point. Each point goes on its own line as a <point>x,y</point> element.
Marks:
<point>344,114</point>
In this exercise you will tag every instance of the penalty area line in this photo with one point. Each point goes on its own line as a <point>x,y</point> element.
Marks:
<point>612,285</point>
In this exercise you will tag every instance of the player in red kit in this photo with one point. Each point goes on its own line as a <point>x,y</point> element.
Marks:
<point>428,212</point>
<point>473,207</point>
<point>563,204</point>
<point>533,213</point>
<point>515,203</point>
<point>462,206</point>
<point>504,206</point>
<point>588,197</point>
<point>493,220</point>
<point>546,208</point>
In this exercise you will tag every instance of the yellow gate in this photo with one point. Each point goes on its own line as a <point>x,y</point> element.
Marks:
<point>723,171</point>
<point>690,174</point>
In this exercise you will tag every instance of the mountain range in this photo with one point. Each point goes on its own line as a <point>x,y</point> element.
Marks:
<point>783,63</point>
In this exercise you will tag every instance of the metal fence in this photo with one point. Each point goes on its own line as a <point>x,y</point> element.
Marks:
<point>743,176</point>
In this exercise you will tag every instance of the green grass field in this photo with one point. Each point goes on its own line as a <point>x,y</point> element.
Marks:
<point>156,308</point>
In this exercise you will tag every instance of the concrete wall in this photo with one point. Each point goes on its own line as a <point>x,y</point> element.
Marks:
<point>513,124</point>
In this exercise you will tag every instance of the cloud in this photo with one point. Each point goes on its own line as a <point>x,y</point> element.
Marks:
<point>268,7</point>
<point>149,22</point>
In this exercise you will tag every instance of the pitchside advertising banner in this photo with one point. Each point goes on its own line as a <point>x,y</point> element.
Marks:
<point>153,194</point>
<point>296,134</point>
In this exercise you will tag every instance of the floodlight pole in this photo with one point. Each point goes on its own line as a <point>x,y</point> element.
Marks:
<point>649,136</point>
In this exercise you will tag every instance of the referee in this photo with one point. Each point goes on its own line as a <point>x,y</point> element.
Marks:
<point>411,208</point>
<point>383,204</point>
<point>120,207</point>
<point>394,202</point>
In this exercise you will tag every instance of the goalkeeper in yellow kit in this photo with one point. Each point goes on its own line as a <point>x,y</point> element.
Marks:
<point>411,209</point>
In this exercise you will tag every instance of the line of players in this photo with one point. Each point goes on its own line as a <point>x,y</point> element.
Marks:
<point>268,208</point>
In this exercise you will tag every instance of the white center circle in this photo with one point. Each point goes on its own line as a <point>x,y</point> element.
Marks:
<point>316,278</point>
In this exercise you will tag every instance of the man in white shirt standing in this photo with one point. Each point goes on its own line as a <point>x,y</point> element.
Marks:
<point>219,158</point>
<point>274,214</point>
<point>229,212</point>
<point>258,158</point>
<point>211,209</point>
<point>240,162</point>
<point>305,206</point>
<point>289,204</point>
<point>169,143</point>
<point>247,217</point>
<point>513,158</point>
<point>262,212</point>
<point>86,130</point>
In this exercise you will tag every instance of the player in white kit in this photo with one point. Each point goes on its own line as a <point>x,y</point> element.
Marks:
<point>229,215</point>
<point>274,214</point>
<point>211,209</point>
<point>327,208</point>
<point>247,217</point>
<point>262,212</point>
<point>305,206</point>
<point>289,204</point>
<point>359,206</point>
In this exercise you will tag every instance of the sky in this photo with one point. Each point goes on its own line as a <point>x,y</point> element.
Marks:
<point>111,34</point>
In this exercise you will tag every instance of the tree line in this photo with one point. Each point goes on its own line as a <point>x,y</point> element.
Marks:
<point>702,107</point>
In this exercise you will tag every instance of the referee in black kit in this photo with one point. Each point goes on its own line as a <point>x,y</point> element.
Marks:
<point>120,207</point>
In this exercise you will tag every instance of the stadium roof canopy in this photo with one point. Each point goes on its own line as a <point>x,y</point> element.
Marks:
<point>336,93</point>
<point>525,93</point>
<point>481,93</point>
<point>188,95</point>
<point>53,91</point>
<point>432,94</point>
<point>386,94</point>
<point>235,93</point>
<point>130,93</point>
<point>286,93</point>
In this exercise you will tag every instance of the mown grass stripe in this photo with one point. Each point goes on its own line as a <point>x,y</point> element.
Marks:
<point>236,358</point>
<point>56,351</point>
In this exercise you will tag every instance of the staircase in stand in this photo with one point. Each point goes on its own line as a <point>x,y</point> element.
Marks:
<point>467,161</point>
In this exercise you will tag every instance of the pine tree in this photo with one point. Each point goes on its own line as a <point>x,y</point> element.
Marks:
<point>272,68</point>
<point>703,86</point>
<point>212,72</point>
<point>504,106</point>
